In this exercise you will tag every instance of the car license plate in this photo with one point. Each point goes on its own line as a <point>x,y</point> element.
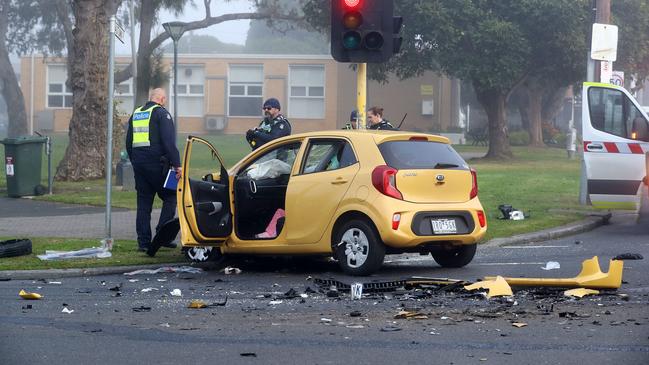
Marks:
<point>443,226</point>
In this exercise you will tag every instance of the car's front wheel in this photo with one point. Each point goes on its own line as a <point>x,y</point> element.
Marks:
<point>204,254</point>
<point>358,248</point>
<point>456,257</point>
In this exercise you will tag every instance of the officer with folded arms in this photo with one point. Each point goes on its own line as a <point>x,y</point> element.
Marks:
<point>273,126</point>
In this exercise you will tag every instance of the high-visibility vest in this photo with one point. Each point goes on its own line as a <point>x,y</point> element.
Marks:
<point>141,120</point>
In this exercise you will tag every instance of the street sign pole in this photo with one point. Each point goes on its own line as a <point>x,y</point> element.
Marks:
<point>108,240</point>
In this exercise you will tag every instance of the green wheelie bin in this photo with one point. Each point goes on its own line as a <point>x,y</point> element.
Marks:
<point>23,158</point>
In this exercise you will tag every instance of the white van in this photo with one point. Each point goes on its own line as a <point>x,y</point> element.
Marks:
<point>615,130</point>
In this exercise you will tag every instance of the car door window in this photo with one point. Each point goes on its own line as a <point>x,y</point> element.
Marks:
<point>276,162</point>
<point>611,111</point>
<point>327,155</point>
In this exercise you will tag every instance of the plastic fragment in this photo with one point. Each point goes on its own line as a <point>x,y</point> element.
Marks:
<point>146,290</point>
<point>232,270</point>
<point>519,324</point>
<point>167,269</point>
<point>29,296</point>
<point>197,304</point>
<point>580,292</point>
<point>275,302</point>
<point>497,287</point>
<point>410,315</point>
<point>93,252</point>
<point>66,310</point>
<point>551,265</point>
<point>176,293</point>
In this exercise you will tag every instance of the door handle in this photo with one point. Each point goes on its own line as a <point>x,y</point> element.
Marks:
<point>594,146</point>
<point>253,186</point>
<point>339,181</point>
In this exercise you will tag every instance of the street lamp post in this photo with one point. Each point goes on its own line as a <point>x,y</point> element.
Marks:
<point>175,31</point>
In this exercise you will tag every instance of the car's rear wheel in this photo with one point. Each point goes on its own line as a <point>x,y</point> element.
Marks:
<point>456,257</point>
<point>358,249</point>
<point>204,254</point>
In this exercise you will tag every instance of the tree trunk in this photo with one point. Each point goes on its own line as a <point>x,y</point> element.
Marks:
<point>535,103</point>
<point>85,155</point>
<point>11,91</point>
<point>493,102</point>
<point>553,99</point>
<point>144,51</point>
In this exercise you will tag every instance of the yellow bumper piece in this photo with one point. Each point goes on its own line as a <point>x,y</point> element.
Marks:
<point>591,277</point>
<point>498,287</point>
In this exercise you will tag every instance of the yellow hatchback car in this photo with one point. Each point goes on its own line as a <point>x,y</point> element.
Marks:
<point>356,195</point>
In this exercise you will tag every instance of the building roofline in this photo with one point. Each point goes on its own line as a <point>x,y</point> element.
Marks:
<point>226,56</point>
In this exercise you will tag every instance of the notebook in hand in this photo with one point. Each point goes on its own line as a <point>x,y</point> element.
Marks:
<point>171,182</point>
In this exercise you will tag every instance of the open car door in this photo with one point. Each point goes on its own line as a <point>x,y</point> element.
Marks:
<point>204,205</point>
<point>615,131</point>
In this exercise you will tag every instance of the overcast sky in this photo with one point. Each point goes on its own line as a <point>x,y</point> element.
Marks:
<point>229,32</point>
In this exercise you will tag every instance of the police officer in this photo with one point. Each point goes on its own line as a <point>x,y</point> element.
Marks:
<point>151,146</point>
<point>375,117</point>
<point>353,121</point>
<point>274,125</point>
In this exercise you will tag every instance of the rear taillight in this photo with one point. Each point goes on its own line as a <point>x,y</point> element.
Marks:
<point>384,179</point>
<point>418,138</point>
<point>474,184</point>
<point>482,219</point>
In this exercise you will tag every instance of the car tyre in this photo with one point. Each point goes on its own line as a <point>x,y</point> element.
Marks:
<point>358,248</point>
<point>204,254</point>
<point>16,247</point>
<point>457,257</point>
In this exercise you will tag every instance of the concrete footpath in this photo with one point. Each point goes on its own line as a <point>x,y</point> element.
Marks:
<point>24,217</point>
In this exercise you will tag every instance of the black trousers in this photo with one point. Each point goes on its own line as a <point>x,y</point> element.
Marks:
<point>149,180</point>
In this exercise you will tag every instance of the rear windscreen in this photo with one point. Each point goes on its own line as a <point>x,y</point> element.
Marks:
<point>405,155</point>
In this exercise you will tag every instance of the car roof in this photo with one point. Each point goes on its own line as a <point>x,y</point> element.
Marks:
<point>379,136</point>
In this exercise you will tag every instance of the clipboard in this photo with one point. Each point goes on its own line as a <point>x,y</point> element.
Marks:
<point>171,182</point>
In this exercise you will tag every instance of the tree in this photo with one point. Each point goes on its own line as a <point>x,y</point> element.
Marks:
<point>632,18</point>
<point>146,45</point>
<point>557,35</point>
<point>87,62</point>
<point>11,92</point>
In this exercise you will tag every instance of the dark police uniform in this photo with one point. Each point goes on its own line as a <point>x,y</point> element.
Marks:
<point>151,146</point>
<point>383,124</point>
<point>268,130</point>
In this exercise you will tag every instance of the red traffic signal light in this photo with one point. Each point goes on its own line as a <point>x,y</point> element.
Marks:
<point>352,3</point>
<point>362,30</point>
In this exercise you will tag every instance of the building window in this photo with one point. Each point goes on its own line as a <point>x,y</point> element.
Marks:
<point>306,92</point>
<point>245,90</point>
<point>124,95</point>
<point>191,85</point>
<point>58,94</point>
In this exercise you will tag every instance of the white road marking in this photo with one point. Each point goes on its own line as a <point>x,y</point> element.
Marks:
<point>535,246</point>
<point>506,263</point>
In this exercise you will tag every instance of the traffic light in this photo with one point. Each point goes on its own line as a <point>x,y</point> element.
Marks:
<point>364,30</point>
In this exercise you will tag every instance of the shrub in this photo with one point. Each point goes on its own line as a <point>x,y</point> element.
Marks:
<point>520,138</point>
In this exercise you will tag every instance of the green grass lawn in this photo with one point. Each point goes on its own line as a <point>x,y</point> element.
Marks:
<point>124,253</point>
<point>540,181</point>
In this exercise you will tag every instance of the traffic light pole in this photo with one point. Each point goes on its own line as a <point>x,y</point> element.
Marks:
<point>361,94</point>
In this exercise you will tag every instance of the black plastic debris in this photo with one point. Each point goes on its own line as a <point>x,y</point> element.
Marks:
<point>28,306</point>
<point>333,292</point>
<point>84,291</point>
<point>248,354</point>
<point>390,329</point>
<point>578,242</point>
<point>116,288</point>
<point>142,309</point>
<point>5,279</point>
<point>355,314</point>
<point>628,256</point>
<point>290,294</point>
